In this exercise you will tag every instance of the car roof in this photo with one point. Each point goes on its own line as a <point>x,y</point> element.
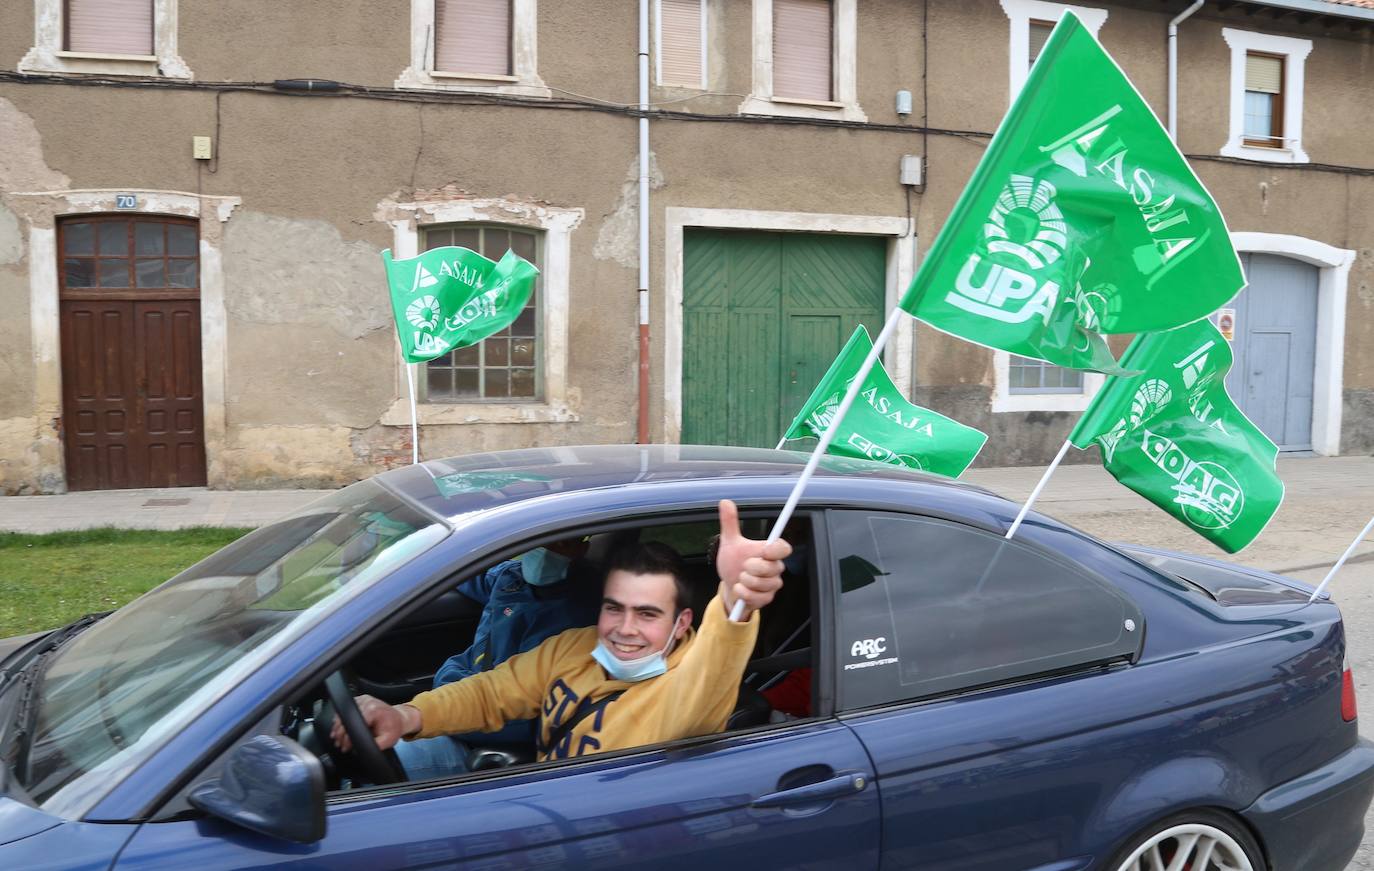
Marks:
<point>458,485</point>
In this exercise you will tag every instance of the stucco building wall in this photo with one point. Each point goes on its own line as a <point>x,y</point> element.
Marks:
<point>310,377</point>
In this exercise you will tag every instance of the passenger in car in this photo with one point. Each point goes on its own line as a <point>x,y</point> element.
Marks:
<point>524,601</point>
<point>641,676</point>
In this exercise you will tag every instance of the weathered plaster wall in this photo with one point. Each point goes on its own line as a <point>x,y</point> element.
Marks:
<point>28,437</point>
<point>311,364</point>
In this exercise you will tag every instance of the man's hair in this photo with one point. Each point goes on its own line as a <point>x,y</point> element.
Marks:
<point>654,558</point>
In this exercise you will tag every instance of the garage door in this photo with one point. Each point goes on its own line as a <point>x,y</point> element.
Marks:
<point>764,315</point>
<point>1275,348</point>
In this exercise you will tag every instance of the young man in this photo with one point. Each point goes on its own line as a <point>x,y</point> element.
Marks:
<point>639,677</point>
<point>524,602</point>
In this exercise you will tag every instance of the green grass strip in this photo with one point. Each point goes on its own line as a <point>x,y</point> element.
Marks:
<point>49,580</point>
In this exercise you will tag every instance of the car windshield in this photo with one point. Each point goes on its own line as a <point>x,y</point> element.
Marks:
<point>119,683</point>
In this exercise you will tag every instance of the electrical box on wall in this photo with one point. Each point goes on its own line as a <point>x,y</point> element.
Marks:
<point>912,166</point>
<point>200,147</point>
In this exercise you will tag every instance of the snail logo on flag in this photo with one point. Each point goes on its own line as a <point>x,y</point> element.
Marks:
<point>1025,224</point>
<point>1024,201</point>
<point>874,451</point>
<point>1150,398</point>
<point>1208,494</point>
<point>822,417</point>
<point>424,313</point>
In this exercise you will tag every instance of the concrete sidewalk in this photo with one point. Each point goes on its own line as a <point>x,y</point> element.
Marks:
<point>168,508</point>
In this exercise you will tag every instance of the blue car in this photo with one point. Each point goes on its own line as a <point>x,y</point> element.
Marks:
<point>955,700</point>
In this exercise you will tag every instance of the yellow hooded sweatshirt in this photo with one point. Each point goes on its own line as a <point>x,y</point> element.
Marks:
<point>693,697</point>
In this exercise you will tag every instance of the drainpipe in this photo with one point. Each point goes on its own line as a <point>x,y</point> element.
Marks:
<point>642,434</point>
<point>1173,66</point>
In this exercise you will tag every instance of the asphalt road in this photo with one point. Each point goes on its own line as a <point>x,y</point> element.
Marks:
<point>1327,503</point>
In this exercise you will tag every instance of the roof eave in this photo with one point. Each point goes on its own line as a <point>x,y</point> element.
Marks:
<point>1323,8</point>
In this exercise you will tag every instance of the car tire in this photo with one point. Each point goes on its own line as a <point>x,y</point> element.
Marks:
<point>1203,833</point>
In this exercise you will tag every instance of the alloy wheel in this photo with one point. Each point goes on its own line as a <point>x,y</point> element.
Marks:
<point>1188,847</point>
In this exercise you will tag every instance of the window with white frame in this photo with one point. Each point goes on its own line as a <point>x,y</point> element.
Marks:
<point>1266,96</point>
<point>105,37</point>
<point>109,27</point>
<point>680,28</point>
<point>805,60</point>
<point>1037,34</point>
<point>504,366</point>
<point>803,48</point>
<point>472,37</point>
<point>487,46</point>
<point>1031,22</point>
<point>492,384</point>
<point>1028,375</point>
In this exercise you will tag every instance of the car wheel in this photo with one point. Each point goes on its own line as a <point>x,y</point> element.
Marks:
<point>1198,840</point>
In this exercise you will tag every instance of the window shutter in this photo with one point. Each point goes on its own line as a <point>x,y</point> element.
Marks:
<point>1263,74</point>
<point>110,26</point>
<point>680,42</point>
<point>1039,34</point>
<point>802,48</point>
<point>472,36</point>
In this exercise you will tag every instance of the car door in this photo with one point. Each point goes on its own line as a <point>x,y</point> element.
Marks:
<point>971,668</point>
<point>795,795</point>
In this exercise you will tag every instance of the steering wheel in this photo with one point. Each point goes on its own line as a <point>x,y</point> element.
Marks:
<point>378,766</point>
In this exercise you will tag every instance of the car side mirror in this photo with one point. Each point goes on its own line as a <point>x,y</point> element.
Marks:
<point>271,785</point>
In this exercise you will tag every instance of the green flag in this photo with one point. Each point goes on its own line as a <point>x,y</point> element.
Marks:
<point>1082,219</point>
<point>881,425</point>
<point>1173,435</point>
<point>451,297</point>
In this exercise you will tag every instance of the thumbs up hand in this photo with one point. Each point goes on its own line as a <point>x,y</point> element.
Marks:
<point>750,570</point>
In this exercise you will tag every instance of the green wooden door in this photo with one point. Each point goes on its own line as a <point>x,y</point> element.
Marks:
<point>764,314</point>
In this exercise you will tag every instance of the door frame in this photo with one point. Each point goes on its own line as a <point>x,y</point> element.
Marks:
<point>901,266</point>
<point>38,213</point>
<point>1333,276</point>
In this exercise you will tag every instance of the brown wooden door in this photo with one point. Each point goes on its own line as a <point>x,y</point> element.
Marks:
<point>131,390</point>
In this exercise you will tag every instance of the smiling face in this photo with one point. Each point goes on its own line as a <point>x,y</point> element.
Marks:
<point>637,614</point>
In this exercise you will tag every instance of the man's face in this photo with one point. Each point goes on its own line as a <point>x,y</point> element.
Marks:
<point>637,614</point>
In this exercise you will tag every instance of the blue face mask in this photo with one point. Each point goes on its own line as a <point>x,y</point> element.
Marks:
<point>541,567</point>
<point>633,670</point>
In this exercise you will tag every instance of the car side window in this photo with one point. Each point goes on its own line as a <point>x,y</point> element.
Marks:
<point>929,606</point>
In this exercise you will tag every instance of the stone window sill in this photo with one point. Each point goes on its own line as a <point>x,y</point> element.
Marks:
<point>1292,154</point>
<point>479,413</point>
<point>790,108</point>
<point>431,80</point>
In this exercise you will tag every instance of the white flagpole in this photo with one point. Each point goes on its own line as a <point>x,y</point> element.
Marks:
<point>1044,479</point>
<point>414,420</point>
<point>854,387</point>
<point>1340,562</point>
<point>782,441</point>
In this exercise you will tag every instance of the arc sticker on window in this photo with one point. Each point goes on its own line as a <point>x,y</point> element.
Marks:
<point>870,649</point>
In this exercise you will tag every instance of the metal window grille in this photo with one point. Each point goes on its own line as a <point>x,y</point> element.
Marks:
<point>109,26</point>
<point>504,367</point>
<point>1028,375</point>
<point>803,47</point>
<point>473,36</point>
